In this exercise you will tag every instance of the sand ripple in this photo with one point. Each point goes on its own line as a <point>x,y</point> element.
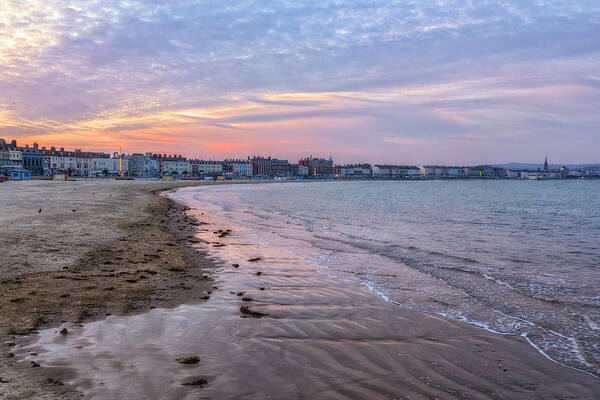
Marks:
<point>323,338</point>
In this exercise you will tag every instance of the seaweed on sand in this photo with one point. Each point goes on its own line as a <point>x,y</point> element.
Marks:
<point>248,313</point>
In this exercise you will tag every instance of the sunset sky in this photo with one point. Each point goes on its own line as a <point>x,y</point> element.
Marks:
<point>455,82</point>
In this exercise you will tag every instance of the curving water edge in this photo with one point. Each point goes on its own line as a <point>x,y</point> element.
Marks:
<point>321,336</point>
<point>504,281</point>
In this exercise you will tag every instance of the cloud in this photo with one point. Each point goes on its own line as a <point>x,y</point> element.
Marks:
<point>422,70</point>
<point>405,141</point>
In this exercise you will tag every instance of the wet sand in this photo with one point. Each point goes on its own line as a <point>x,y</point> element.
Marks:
<point>278,328</point>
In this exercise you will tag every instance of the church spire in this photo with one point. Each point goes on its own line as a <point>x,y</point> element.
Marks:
<point>546,164</point>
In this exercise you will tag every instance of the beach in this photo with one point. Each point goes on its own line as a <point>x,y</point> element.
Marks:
<point>141,282</point>
<point>79,251</point>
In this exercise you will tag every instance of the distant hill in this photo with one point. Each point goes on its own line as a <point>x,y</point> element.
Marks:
<point>535,166</point>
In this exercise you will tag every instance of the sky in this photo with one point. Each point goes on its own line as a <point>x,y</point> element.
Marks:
<point>404,82</point>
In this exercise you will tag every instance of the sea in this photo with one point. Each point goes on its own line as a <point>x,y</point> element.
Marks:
<point>512,257</point>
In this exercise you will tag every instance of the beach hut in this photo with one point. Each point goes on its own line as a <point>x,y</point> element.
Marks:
<point>20,174</point>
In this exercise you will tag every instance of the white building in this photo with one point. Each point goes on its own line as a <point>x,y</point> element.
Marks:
<point>151,166</point>
<point>456,172</point>
<point>395,171</point>
<point>242,169</point>
<point>78,163</point>
<point>355,171</point>
<point>208,168</point>
<point>302,170</point>
<point>10,155</point>
<point>112,166</point>
<point>16,157</point>
<point>5,162</point>
<point>433,171</point>
<point>237,168</point>
<point>414,172</point>
<point>173,165</point>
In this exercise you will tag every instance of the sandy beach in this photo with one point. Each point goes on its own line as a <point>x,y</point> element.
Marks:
<point>140,283</point>
<point>79,251</point>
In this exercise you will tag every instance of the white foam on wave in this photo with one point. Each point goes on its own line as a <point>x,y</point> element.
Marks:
<point>576,351</point>
<point>591,323</point>
<point>515,318</point>
<point>371,286</point>
<point>372,289</point>
<point>485,326</point>
<point>507,325</point>
<point>462,318</point>
<point>575,346</point>
<point>542,352</point>
<point>496,280</point>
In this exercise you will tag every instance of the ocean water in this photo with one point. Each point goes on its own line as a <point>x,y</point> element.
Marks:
<point>513,257</point>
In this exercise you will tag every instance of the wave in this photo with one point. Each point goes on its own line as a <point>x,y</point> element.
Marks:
<point>501,291</point>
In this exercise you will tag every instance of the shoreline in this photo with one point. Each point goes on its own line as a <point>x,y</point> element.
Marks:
<point>537,355</point>
<point>485,328</point>
<point>429,326</point>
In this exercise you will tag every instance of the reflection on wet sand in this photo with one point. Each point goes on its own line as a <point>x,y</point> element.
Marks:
<point>316,337</point>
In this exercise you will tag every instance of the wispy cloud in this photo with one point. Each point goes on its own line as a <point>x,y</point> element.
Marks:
<point>343,75</point>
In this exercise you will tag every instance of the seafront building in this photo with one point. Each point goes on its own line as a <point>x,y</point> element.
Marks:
<point>6,156</point>
<point>354,171</point>
<point>302,171</point>
<point>15,155</point>
<point>11,156</point>
<point>446,172</point>
<point>172,165</point>
<point>32,159</point>
<point>104,165</point>
<point>71,162</point>
<point>271,167</point>
<point>16,160</point>
<point>487,172</point>
<point>5,164</point>
<point>237,168</point>
<point>382,171</point>
<point>545,173</point>
<point>316,167</point>
<point>462,172</point>
<point>143,165</point>
<point>206,168</point>
<point>76,163</point>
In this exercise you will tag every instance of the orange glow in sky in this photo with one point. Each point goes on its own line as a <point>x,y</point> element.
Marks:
<point>457,83</point>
